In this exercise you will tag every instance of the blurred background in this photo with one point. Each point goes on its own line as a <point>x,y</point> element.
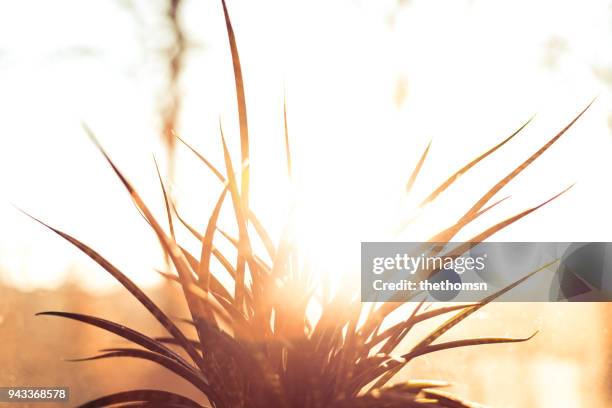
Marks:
<point>368,84</point>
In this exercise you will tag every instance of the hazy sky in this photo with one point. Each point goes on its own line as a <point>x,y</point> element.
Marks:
<point>368,84</point>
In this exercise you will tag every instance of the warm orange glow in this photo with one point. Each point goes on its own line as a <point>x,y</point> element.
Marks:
<point>368,85</point>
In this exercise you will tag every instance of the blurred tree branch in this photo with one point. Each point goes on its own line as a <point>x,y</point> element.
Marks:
<point>171,50</point>
<point>175,57</point>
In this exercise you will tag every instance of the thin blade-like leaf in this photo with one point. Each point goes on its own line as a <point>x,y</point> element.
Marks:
<point>242,111</point>
<point>417,169</point>
<point>499,185</point>
<point>243,238</point>
<point>163,361</point>
<point>132,288</point>
<point>122,331</point>
<point>455,176</point>
<point>465,343</point>
<point>166,200</point>
<point>156,396</point>
<point>207,244</point>
<point>204,160</point>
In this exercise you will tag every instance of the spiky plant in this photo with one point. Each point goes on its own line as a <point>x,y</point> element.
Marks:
<point>253,347</point>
